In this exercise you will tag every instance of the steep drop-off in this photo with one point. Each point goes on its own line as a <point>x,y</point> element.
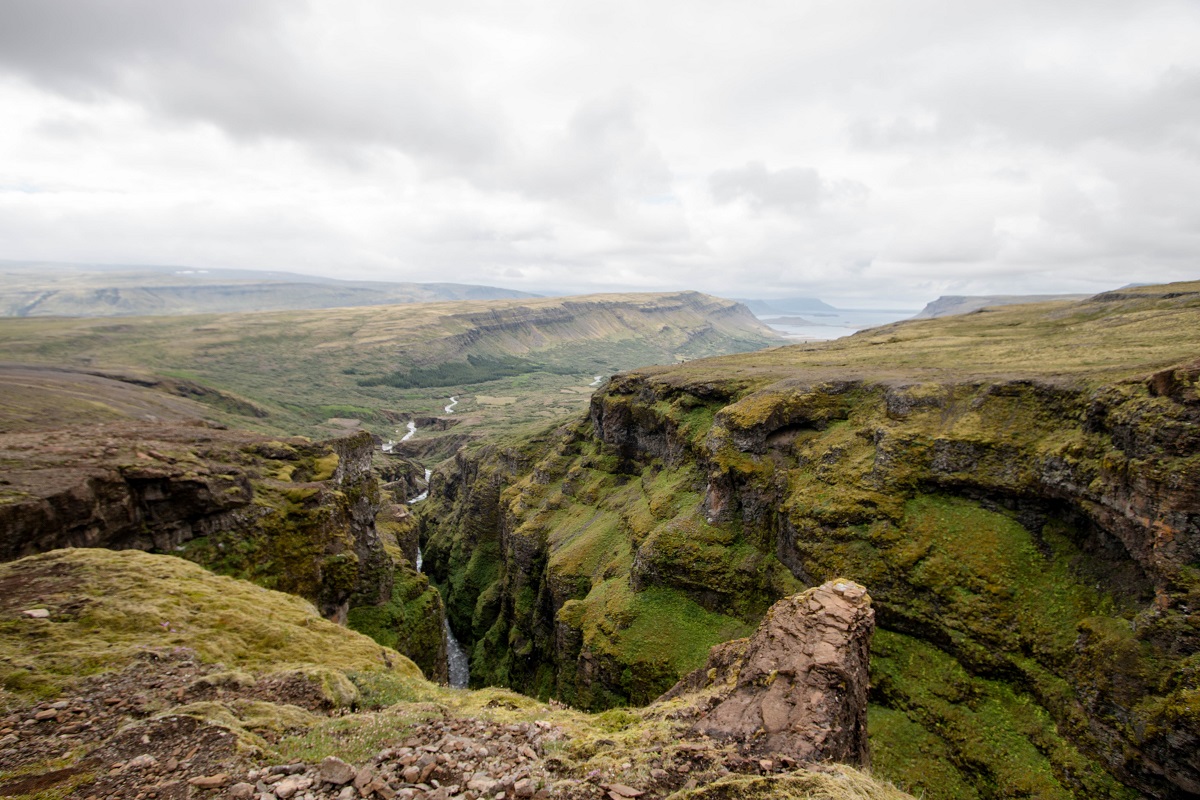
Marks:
<point>292,515</point>
<point>1019,490</point>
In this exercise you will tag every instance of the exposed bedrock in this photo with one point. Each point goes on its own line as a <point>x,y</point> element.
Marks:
<point>798,686</point>
<point>293,515</point>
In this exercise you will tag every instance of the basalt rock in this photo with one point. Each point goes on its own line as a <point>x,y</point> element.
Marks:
<point>293,515</point>
<point>798,686</point>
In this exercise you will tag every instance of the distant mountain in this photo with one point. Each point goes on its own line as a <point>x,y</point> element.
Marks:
<point>782,306</point>
<point>66,290</point>
<point>949,305</point>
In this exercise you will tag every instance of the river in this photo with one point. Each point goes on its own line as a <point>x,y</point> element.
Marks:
<point>456,657</point>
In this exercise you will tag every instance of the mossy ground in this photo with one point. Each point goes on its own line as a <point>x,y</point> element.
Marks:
<point>107,613</point>
<point>107,606</point>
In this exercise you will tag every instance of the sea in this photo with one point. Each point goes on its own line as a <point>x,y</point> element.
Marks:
<point>824,325</point>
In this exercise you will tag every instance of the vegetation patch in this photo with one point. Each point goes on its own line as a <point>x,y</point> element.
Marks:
<point>108,606</point>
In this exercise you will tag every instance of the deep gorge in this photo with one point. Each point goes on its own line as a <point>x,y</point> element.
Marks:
<point>1031,546</point>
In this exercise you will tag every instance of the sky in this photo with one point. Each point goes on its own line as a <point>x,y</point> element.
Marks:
<point>871,153</point>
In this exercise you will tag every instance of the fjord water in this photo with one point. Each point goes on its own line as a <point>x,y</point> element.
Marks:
<point>836,324</point>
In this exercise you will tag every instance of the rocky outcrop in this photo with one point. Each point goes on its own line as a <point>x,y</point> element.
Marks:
<point>798,686</point>
<point>168,681</point>
<point>293,515</point>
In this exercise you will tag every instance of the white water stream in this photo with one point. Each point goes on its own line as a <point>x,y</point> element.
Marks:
<point>422,496</point>
<point>453,403</point>
<point>389,444</point>
<point>597,380</point>
<point>456,657</point>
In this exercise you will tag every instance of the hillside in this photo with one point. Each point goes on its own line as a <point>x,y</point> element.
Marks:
<point>293,371</point>
<point>1019,490</point>
<point>64,290</point>
<point>125,674</point>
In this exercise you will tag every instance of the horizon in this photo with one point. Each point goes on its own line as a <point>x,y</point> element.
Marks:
<point>546,292</point>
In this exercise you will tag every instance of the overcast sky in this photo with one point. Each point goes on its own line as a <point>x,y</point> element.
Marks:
<point>868,153</point>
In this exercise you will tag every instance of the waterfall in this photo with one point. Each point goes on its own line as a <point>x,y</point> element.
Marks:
<point>456,656</point>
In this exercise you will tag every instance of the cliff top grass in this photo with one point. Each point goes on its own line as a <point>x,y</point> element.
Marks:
<point>1111,336</point>
<point>106,607</point>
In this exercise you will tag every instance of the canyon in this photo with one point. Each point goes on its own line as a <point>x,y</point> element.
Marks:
<point>1018,490</point>
<point>1026,517</point>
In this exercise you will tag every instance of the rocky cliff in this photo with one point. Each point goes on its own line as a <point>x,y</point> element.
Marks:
<point>1020,490</point>
<point>294,515</point>
<point>797,688</point>
<point>298,516</point>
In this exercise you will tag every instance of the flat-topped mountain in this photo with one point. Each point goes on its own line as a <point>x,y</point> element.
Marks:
<point>57,290</point>
<point>295,370</point>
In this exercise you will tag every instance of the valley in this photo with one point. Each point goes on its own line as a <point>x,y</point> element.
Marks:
<point>511,362</point>
<point>1017,488</point>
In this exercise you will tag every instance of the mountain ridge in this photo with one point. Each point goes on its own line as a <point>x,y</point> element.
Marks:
<point>87,291</point>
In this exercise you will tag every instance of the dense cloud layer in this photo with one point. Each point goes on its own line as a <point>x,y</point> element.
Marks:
<point>860,151</point>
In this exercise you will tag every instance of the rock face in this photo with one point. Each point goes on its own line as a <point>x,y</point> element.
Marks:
<point>971,509</point>
<point>292,515</point>
<point>799,688</point>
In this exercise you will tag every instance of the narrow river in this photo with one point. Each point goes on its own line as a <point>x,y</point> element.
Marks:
<point>456,656</point>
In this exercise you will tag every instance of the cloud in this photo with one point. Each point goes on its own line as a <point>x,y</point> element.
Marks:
<point>795,189</point>
<point>853,150</point>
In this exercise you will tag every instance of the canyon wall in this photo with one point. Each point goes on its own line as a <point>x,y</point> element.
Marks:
<point>1032,547</point>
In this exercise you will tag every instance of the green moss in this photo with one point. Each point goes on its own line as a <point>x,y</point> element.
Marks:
<point>914,758</point>
<point>106,606</point>
<point>324,467</point>
<point>837,783</point>
<point>653,637</point>
<point>410,622</point>
<point>1000,741</point>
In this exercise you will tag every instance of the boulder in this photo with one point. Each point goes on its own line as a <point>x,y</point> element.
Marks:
<point>798,686</point>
